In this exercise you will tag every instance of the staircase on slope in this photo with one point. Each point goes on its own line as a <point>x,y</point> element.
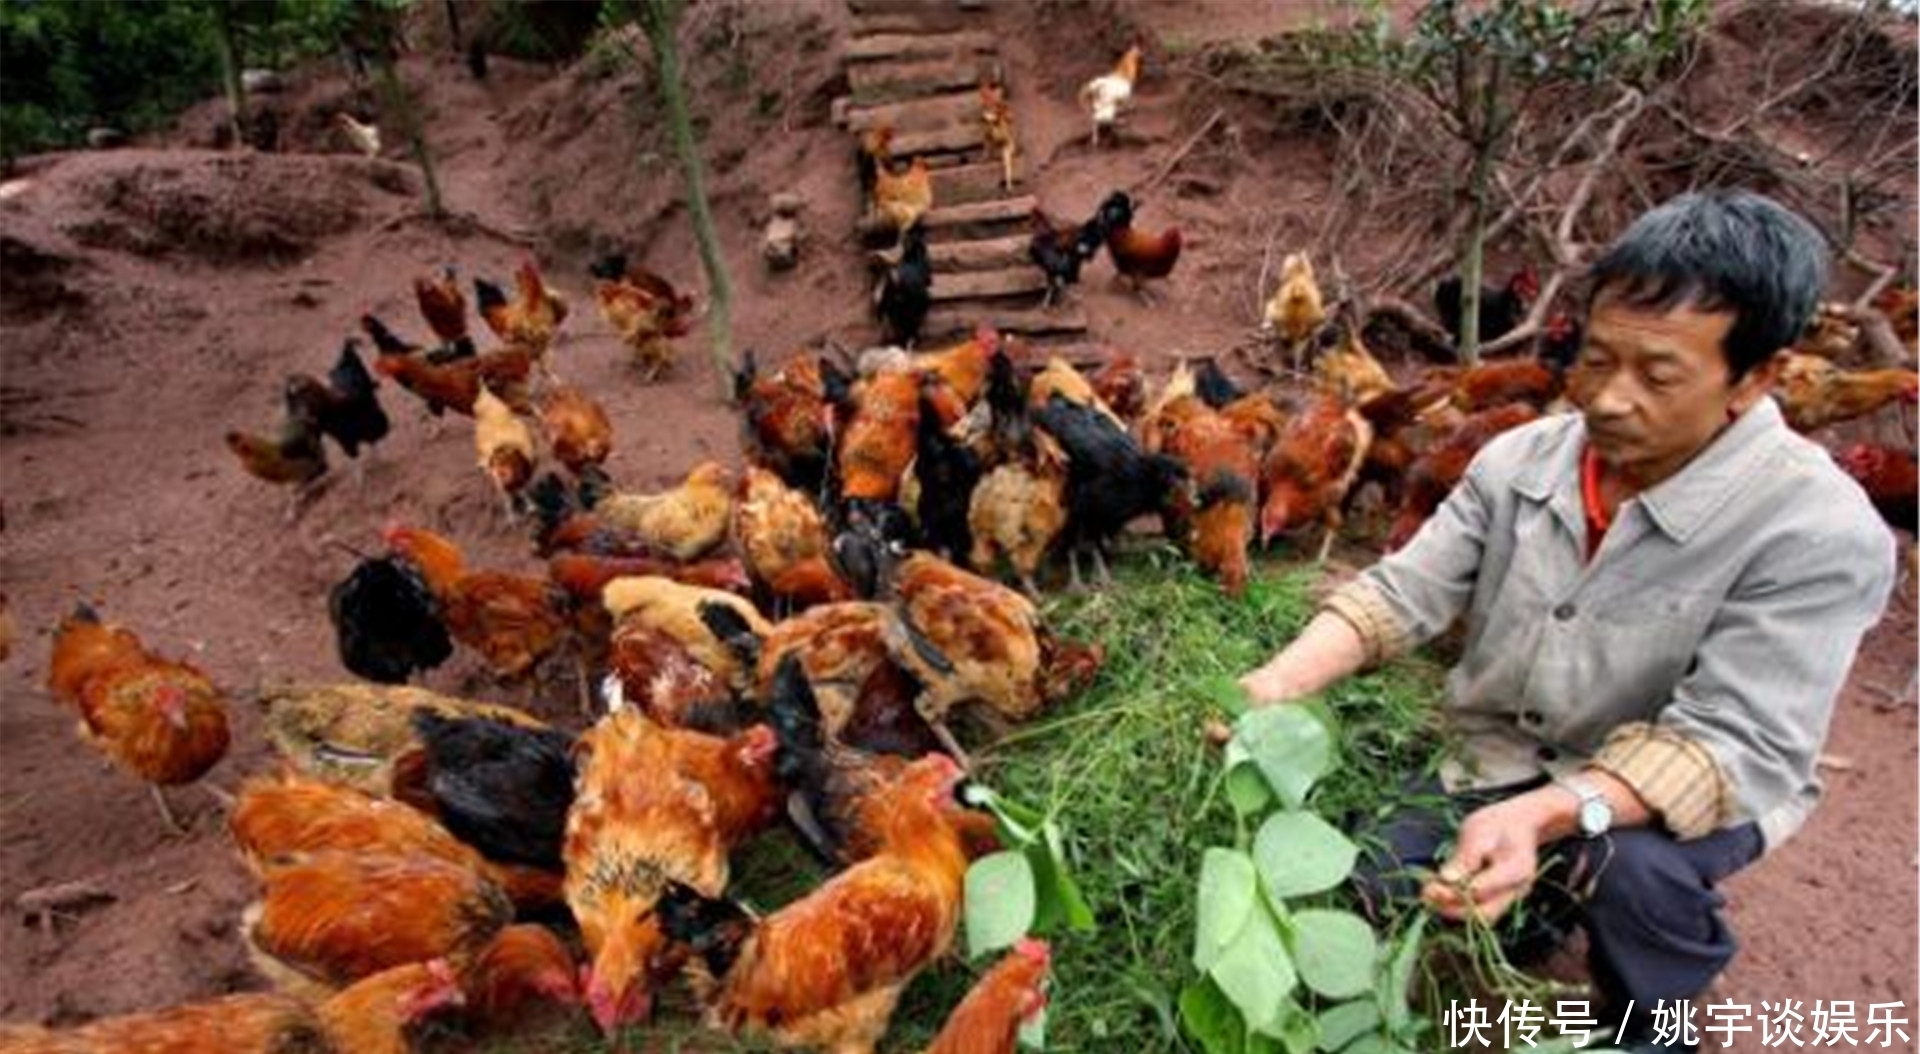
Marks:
<point>917,66</point>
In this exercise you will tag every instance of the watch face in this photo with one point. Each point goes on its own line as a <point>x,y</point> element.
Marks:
<point>1595,817</point>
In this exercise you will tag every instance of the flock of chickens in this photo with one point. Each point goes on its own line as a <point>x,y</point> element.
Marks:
<point>779,643</point>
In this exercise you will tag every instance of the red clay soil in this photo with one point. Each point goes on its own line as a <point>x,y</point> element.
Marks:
<point>153,298</point>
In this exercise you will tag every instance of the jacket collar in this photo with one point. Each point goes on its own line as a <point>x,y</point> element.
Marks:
<point>1678,506</point>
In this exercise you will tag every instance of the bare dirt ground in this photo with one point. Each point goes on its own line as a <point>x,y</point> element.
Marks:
<point>155,297</point>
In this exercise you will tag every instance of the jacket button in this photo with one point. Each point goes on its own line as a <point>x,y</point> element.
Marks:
<point>1564,612</point>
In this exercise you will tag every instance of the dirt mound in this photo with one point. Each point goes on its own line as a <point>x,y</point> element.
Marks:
<point>230,209</point>
<point>37,283</point>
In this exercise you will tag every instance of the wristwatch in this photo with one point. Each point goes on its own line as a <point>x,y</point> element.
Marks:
<point>1596,816</point>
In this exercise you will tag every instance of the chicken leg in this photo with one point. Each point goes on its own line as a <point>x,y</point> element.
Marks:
<point>166,812</point>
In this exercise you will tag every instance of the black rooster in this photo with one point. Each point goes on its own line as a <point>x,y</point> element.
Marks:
<point>387,623</point>
<point>906,293</point>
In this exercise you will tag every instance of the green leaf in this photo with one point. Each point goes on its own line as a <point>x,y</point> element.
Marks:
<point>1375,1043</point>
<point>1019,824</point>
<point>1292,747</point>
<point>1000,902</point>
<point>1341,1025</point>
<point>1299,853</point>
<point>1228,883</point>
<point>1255,971</point>
<point>1335,951</point>
<point>1210,1019</point>
<point>1296,1029</point>
<point>1394,1008</point>
<point>1060,901</point>
<point>1224,691</point>
<point>1247,789</point>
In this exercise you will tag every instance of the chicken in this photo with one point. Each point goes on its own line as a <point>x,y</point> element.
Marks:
<point>578,432</point>
<point>505,445</point>
<point>158,719</point>
<point>1814,393</point>
<point>327,919</point>
<point>1888,475</point>
<point>1222,456</point>
<point>524,968</point>
<point>961,371</point>
<point>722,631</point>
<point>1111,480</point>
<point>1122,385</point>
<point>988,1020</point>
<point>585,575</point>
<point>1104,95</point>
<point>655,806</point>
<point>1311,469</point>
<point>381,1014</point>
<point>1295,313</point>
<point>346,408</point>
<point>878,443</point>
<point>904,294</point>
<point>1491,384</point>
<point>656,673</point>
<point>1347,371</point>
<point>996,128</point>
<point>787,417</point>
<point>500,787</point>
<point>1214,387</point>
<point>1137,254</point>
<point>871,156</point>
<point>292,813</point>
<point>827,970</point>
<point>513,621</point>
<point>1501,307</point>
<point>904,199</point>
<point>531,319</point>
<point>967,639</point>
<point>1830,333</point>
<point>644,309</point>
<point>943,477</point>
<point>363,136</point>
<point>686,522</point>
<point>375,1016</point>
<point>861,697</point>
<point>1059,377</point>
<point>291,456</point>
<point>351,733</point>
<point>1406,423</point>
<point>1901,305</point>
<point>1060,252</point>
<point>1019,509</point>
<point>454,382</point>
<point>785,541</point>
<point>1435,473</point>
<point>442,305</point>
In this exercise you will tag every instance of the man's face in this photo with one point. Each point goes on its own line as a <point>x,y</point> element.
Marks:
<point>1655,386</point>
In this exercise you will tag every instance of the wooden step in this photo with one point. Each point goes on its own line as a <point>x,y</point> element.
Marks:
<point>895,7</point>
<point>951,219</point>
<point>953,139</point>
<point>920,19</point>
<point>873,83</point>
<point>971,182</point>
<point>918,46</point>
<point>988,285</point>
<point>913,115</point>
<point>1060,320</point>
<point>990,254</point>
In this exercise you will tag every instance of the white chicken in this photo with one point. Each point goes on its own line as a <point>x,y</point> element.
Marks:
<point>1104,95</point>
<point>364,137</point>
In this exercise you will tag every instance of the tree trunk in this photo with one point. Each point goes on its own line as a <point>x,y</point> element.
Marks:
<point>230,64</point>
<point>661,18</point>
<point>398,108</point>
<point>453,26</point>
<point>1473,257</point>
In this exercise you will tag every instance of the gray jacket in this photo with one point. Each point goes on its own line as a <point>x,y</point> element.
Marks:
<point>1697,656</point>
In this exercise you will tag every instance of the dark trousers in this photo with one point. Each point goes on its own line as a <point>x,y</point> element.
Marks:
<point>1646,900</point>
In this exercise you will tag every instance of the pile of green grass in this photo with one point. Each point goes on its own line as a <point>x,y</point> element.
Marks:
<point>1129,775</point>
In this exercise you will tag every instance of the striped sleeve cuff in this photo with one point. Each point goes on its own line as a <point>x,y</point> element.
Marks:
<point>1361,606</point>
<point>1676,776</point>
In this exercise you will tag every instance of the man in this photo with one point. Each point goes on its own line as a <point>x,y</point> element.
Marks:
<point>1662,596</point>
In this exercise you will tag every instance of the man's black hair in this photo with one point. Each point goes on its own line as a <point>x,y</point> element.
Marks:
<point>1721,250</point>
